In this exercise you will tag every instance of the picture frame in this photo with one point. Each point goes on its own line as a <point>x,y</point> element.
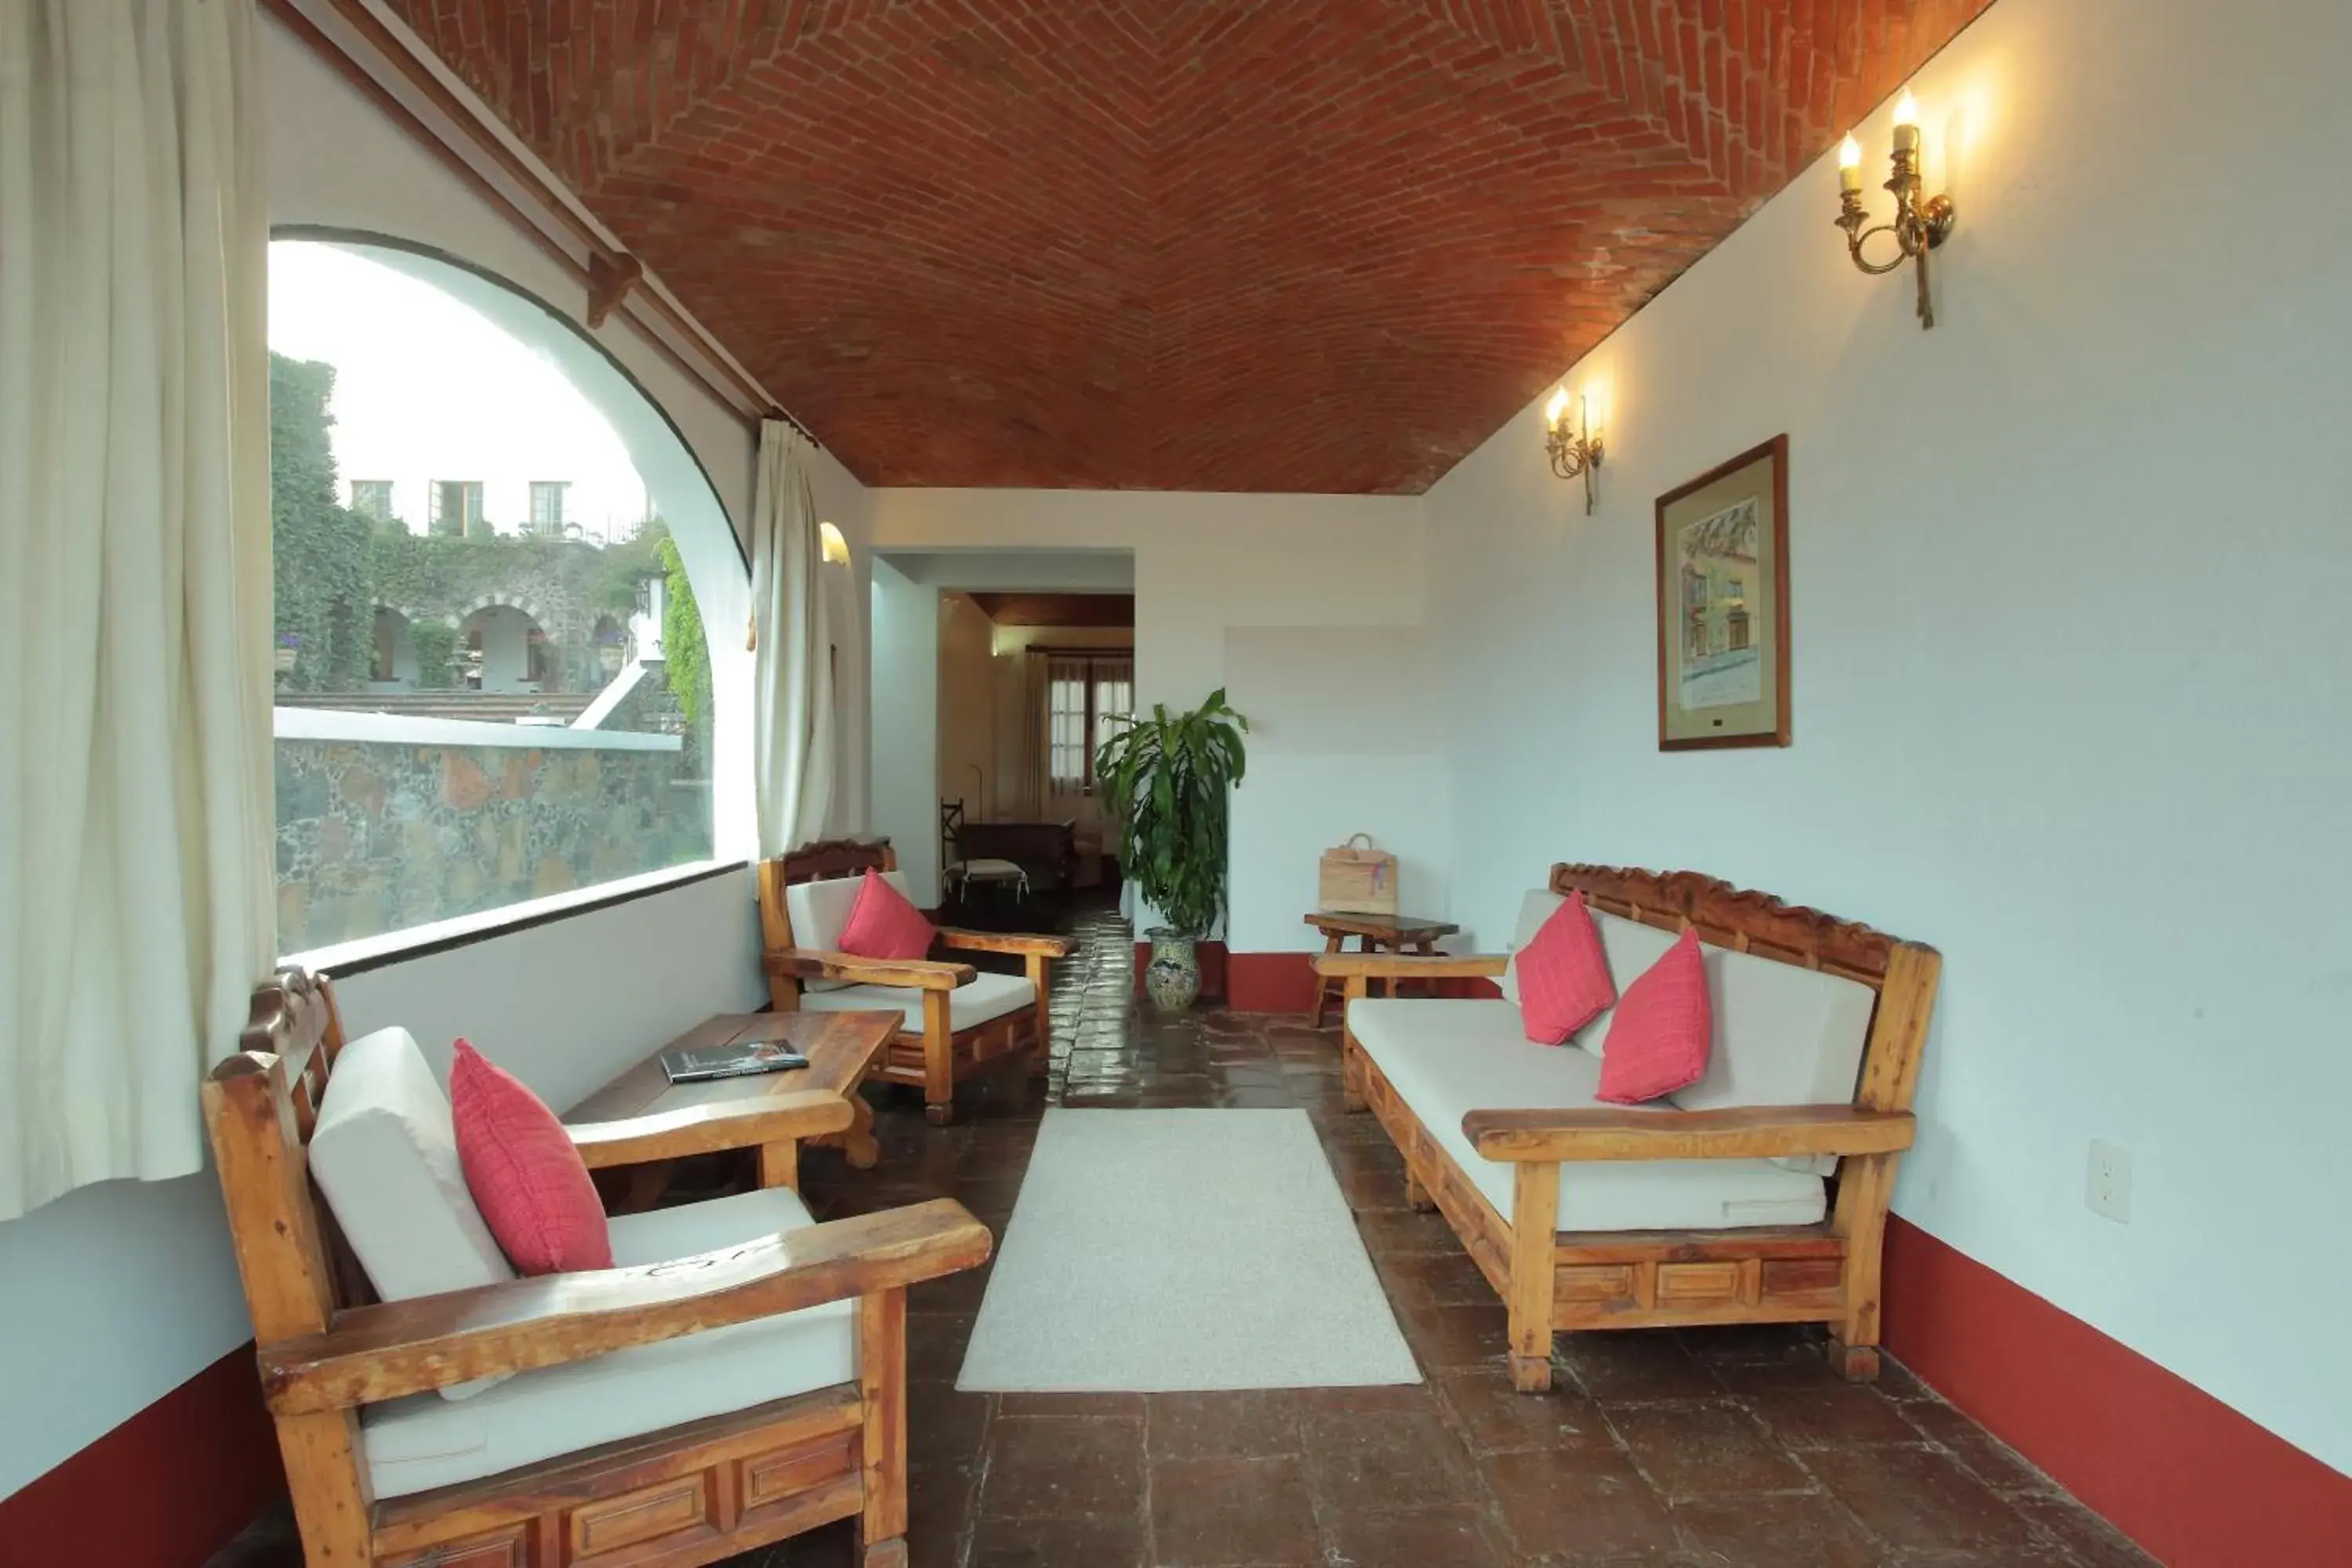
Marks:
<point>1722,602</point>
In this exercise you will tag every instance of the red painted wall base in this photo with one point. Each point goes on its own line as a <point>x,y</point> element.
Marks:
<point>1269,983</point>
<point>1285,982</point>
<point>167,1489</point>
<point>2186,1476</point>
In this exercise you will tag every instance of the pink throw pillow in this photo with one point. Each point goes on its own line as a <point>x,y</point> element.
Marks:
<point>1663,1026</point>
<point>525,1175</point>
<point>1563,976</point>
<point>883,924</point>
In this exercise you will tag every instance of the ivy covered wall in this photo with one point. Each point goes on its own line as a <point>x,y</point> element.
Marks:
<point>335,566</point>
<point>323,551</point>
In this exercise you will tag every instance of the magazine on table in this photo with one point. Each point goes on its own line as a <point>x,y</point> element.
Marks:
<point>699,1064</point>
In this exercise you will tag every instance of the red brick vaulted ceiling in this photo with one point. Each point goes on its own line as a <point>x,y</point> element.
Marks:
<point>1302,245</point>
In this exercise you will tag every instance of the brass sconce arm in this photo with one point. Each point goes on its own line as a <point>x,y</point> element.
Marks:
<point>1918,226</point>
<point>1575,452</point>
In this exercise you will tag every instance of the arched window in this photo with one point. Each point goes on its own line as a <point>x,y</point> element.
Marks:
<point>491,554</point>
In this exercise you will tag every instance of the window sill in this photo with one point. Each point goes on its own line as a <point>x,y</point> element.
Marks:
<point>345,959</point>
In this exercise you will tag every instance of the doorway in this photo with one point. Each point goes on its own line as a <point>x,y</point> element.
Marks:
<point>1030,666</point>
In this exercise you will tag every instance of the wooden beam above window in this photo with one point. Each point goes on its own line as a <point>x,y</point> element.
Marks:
<point>1058,609</point>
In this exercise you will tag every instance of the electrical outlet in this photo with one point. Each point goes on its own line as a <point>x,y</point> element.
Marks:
<point>2108,1194</point>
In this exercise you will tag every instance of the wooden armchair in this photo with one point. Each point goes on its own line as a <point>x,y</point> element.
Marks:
<point>1495,1169</point>
<point>958,1018</point>
<point>349,1379</point>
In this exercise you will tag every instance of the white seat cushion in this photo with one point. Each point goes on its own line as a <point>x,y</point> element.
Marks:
<point>420,1442</point>
<point>990,996</point>
<point>819,909</point>
<point>1446,1058</point>
<point>385,1155</point>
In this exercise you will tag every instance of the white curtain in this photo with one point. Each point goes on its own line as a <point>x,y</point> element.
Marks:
<point>791,701</point>
<point>846,625</point>
<point>136,908</point>
<point>1028,800</point>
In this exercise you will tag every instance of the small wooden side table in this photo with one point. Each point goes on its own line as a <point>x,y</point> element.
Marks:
<point>841,1047</point>
<point>1374,933</point>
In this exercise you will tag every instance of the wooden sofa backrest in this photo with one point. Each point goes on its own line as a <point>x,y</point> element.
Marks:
<point>1903,973</point>
<point>814,863</point>
<point>260,1107</point>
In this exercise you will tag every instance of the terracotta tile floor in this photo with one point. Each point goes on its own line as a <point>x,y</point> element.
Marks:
<point>1702,1449</point>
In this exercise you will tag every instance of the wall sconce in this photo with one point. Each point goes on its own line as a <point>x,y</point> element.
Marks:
<point>836,548</point>
<point>1573,453</point>
<point>1918,227</point>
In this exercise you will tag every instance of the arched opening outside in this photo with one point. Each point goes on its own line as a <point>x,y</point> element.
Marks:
<point>447,661</point>
<point>394,665</point>
<point>507,650</point>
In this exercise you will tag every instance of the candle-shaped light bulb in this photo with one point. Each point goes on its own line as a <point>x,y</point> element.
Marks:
<point>1907,122</point>
<point>1556,407</point>
<point>1849,164</point>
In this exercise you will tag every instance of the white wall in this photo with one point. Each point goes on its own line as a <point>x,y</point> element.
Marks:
<point>568,1005</point>
<point>905,633</point>
<point>967,707</point>
<point>1205,564</point>
<point>2068,578</point>
<point>1345,737</point>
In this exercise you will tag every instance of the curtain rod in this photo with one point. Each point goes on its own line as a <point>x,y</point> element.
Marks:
<point>638,298</point>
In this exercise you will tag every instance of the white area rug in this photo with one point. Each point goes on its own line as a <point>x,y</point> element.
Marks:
<point>1177,1250</point>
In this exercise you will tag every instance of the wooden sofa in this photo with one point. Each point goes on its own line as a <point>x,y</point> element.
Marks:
<point>1759,1195</point>
<point>960,1019</point>
<point>571,1370</point>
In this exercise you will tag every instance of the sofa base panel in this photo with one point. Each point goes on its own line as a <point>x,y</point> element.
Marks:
<point>1625,1279</point>
<point>690,1495</point>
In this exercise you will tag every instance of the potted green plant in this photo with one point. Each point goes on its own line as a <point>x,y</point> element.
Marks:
<point>1164,779</point>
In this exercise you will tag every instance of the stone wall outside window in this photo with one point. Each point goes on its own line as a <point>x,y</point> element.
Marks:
<point>386,823</point>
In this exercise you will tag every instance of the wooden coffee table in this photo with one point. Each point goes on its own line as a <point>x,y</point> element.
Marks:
<point>841,1048</point>
<point>1396,933</point>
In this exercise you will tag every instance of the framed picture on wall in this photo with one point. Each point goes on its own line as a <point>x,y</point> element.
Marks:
<point>1723,605</point>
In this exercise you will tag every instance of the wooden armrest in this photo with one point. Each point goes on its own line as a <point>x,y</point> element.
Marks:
<point>805,964</point>
<point>1003,942</point>
<point>379,1353</point>
<point>1748,1133</point>
<point>707,1128</point>
<point>1412,965</point>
